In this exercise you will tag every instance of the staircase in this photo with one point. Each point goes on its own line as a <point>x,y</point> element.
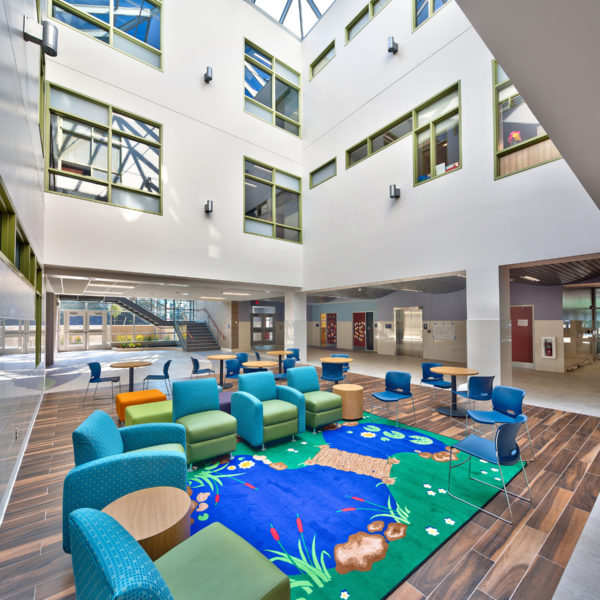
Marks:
<point>139,310</point>
<point>200,338</point>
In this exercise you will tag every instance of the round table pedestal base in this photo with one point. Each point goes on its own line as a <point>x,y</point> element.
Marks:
<point>226,386</point>
<point>458,412</point>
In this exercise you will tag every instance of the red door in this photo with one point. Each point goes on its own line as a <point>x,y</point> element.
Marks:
<point>521,318</point>
<point>359,329</point>
<point>331,329</point>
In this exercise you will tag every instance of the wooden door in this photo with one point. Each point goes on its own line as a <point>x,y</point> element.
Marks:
<point>521,318</point>
<point>359,329</point>
<point>331,329</point>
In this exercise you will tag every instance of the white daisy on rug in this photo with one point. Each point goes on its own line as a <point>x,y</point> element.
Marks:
<point>427,485</point>
<point>231,468</point>
<point>431,493</point>
<point>246,464</point>
<point>449,521</point>
<point>484,472</point>
<point>442,491</point>
<point>344,595</point>
<point>368,434</point>
<point>432,531</point>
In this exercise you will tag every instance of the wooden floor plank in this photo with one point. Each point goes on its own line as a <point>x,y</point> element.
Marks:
<point>464,579</point>
<point>564,535</point>
<point>540,581</point>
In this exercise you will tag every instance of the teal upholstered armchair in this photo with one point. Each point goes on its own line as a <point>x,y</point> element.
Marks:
<point>108,563</point>
<point>266,411</point>
<point>114,462</point>
<point>322,408</point>
<point>209,431</point>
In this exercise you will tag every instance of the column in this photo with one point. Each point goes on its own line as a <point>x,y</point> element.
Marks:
<point>295,322</point>
<point>50,329</point>
<point>488,322</point>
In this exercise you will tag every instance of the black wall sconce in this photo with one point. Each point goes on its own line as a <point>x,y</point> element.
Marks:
<point>394,191</point>
<point>208,75</point>
<point>392,45</point>
<point>208,207</point>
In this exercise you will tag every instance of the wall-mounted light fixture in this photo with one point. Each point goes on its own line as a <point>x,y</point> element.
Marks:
<point>392,45</point>
<point>44,34</point>
<point>208,206</point>
<point>394,191</point>
<point>208,75</point>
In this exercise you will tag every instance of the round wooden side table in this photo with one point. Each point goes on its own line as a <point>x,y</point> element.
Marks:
<point>158,517</point>
<point>352,400</point>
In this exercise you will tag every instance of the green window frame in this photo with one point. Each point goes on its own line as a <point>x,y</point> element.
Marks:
<point>272,89</point>
<point>100,153</point>
<point>323,173</point>
<point>272,202</point>
<point>322,60</point>
<point>364,17</point>
<point>381,139</point>
<point>109,24</point>
<point>518,149</point>
<point>423,10</point>
<point>437,136</point>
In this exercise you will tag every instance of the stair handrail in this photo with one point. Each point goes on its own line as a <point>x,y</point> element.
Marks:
<point>220,335</point>
<point>179,316</point>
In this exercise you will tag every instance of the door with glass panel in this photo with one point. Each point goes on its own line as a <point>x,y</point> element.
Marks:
<point>409,330</point>
<point>263,325</point>
<point>83,330</point>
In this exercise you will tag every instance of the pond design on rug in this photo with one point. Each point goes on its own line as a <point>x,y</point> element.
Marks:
<point>346,513</point>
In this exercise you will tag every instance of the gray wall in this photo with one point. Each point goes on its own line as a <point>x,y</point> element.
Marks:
<point>546,299</point>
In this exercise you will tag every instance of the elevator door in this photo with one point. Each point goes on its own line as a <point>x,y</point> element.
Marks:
<point>409,331</point>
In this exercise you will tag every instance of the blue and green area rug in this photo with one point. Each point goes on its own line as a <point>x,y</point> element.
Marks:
<point>347,513</point>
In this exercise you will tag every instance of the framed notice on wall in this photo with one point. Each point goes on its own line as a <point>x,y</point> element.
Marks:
<point>548,347</point>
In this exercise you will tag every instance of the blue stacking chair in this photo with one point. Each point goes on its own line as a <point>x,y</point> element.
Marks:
<point>507,407</point>
<point>345,366</point>
<point>96,377</point>
<point>503,451</point>
<point>196,370</point>
<point>257,355</point>
<point>479,388</point>
<point>243,357</point>
<point>287,363</point>
<point>164,377</point>
<point>295,353</point>
<point>434,379</point>
<point>332,372</point>
<point>397,387</point>
<point>233,368</point>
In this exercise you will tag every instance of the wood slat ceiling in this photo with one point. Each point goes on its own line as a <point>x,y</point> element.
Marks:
<point>558,273</point>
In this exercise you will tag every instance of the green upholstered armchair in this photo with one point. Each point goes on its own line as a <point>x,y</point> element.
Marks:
<point>209,431</point>
<point>322,408</point>
<point>214,563</point>
<point>266,411</point>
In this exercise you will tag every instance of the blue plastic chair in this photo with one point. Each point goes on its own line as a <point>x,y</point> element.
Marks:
<point>233,367</point>
<point>434,379</point>
<point>257,355</point>
<point>196,370</point>
<point>287,363</point>
<point>507,407</point>
<point>332,372</point>
<point>397,387</point>
<point>96,377</point>
<point>295,353</point>
<point>502,451</point>
<point>479,388</point>
<point>345,366</point>
<point>242,357</point>
<point>164,377</point>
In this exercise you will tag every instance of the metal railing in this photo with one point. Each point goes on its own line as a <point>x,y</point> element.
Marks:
<point>213,327</point>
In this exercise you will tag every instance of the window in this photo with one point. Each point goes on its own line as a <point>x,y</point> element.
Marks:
<point>323,173</point>
<point>423,9</point>
<point>133,26</point>
<point>363,17</point>
<point>98,152</point>
<point>271,202</point>
<point>271,90</point>
<point>437,135</point>
<point>322,60</point>
<point>379,140</point>
<point>521,141</point>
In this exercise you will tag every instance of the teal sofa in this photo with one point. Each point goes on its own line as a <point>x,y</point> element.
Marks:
<point>213,564</point>
<point>210,432</point>
<point>322,408</point>
<point>266,411</point>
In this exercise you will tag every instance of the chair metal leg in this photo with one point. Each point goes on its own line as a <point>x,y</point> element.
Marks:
<point>530,444</point>
<point>293,438</point>
<point>86,393</point>
<point>414,413</point>
<point>94,396</point>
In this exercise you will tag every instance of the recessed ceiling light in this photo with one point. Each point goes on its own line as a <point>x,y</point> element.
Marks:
<point>111,286</point>
<point>461,275</point>
<point>210,298</point>
<point>529,278</point>
<point>236,294</point>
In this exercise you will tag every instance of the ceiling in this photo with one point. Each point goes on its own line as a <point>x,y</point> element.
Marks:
<point>563,273</point>
<point>80,282</point>
<point>550,50</point>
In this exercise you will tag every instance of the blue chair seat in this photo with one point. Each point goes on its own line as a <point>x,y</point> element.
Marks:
<point>155,377</point>
<point>391,396</point>
<point>438,383</point>
<point>105,379</point>
<point>483,449</point>
<point>490,417</point>
<point>465,395</point>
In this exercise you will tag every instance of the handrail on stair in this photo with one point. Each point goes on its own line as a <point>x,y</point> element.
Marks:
<point>219,332</point>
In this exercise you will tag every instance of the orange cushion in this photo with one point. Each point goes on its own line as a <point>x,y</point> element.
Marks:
<point>126,399</point>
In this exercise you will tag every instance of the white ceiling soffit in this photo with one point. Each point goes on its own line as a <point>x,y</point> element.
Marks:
<point>550,50</point>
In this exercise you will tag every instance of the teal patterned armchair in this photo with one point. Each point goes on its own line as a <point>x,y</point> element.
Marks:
<point>266,411</point>
<point>112,462</point>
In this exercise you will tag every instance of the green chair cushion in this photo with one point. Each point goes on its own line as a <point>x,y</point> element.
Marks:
<point>177,447</point>
<point>319,401</point>
<point>224,566</point>
<point>278,411</point>
<point>207,425</point>
<point>153,412</point>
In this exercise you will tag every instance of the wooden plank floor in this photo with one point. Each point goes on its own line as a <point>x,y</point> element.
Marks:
<point>485,559</point>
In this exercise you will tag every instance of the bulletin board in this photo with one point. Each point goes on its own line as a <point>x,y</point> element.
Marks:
<point>444,331</point>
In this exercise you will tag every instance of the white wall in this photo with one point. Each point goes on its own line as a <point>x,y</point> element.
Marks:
<point>462,220</point>
<point>206,133</point>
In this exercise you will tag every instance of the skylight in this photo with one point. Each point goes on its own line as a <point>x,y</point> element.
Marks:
<point>299,16</point>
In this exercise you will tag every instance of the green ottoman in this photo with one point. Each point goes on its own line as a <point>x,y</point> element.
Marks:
<point>153,412</point>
